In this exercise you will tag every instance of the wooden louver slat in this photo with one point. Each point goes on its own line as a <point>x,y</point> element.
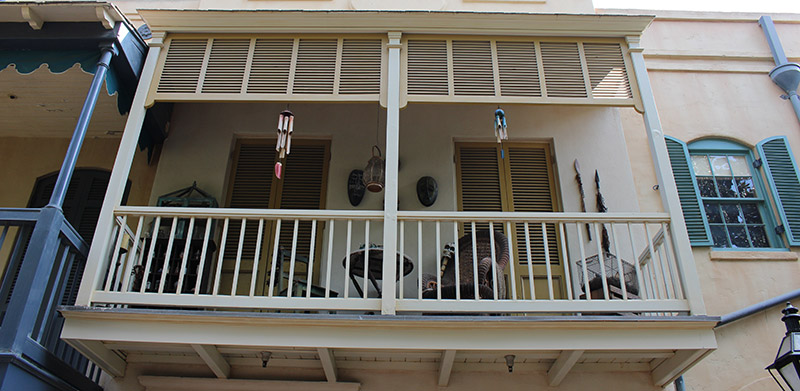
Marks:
<point>427,67</point>
<point>518,69</point>
<point>225,71</point>
<point>481,189</point>
<point>607,73</point>
<point>361,66</point>
<point>472,68</point>
<point>562,70</point>
<point>181,70</point>
<point>316,66</point>
<point>269,70</point>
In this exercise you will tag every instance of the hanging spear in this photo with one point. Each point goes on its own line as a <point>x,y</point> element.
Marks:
<point>583,195</point>
<point>601,207</point>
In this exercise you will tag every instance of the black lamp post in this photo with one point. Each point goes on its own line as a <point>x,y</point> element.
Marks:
<point>787,362</point>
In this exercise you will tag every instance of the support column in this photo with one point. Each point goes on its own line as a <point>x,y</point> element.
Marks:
<point>666,183</point>
<point>78,135</point>
<point>388,301</point>
<point>98,253</point>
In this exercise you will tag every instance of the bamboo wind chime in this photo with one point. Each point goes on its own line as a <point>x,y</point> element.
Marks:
<point>284,144</point>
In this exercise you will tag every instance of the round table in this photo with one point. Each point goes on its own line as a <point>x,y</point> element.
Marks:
<point>375,271</point>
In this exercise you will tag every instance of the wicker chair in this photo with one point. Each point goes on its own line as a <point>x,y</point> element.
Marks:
<point>466,275</point>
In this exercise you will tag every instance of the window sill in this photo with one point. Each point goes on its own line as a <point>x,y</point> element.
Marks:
<point>749,255</point>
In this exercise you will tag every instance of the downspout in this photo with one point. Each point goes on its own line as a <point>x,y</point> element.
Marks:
<point>785,74</point>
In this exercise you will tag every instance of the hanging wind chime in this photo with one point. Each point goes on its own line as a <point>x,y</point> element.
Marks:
<point>500,125</point>
<point>284,144</point>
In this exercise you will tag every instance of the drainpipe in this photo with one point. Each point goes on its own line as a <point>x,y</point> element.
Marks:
<point>755,308</point>
<point>785,74</point>
<point>74,149</point>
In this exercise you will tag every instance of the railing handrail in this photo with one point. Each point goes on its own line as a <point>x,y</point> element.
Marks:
<point>558,217</point>
<point>236,213</point>
<point>22,215</point>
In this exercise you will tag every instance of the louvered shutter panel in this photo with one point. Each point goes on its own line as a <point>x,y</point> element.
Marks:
<point>472,68</point>
<point>518,69</point>
<point>361,66</point>
<point>781,170</point>
<point>269,70</point>
<point>427,67</point>
<point>693,211</point>
<point>531,192</point>
<point>303,188</point>
<point>316,66</point>
<point>251,188</point>
<point>181,71</point>
<point>481,188</point>
<point>563,74</point>
<point>607,73</point>
<point>226,63</point>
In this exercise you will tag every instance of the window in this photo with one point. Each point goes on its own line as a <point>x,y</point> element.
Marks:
<point>724,198</point>
<point>732,198</point>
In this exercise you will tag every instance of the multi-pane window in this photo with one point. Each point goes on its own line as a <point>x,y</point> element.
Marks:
<point>732,204</point>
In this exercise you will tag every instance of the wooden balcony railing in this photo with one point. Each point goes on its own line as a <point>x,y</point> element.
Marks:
<point>327,260</point>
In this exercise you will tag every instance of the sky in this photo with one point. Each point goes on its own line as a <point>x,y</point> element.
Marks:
<point>792,6</point>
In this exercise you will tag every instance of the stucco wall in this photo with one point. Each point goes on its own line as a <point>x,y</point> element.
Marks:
<point>709,77</point>
<point>202,137</point>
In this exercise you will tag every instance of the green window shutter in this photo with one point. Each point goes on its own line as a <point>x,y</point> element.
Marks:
<point>696,223</point>
<point>782,175</point>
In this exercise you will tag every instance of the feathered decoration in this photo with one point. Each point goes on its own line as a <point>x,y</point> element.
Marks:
<point>583,195</point>
<point>601,207</point>
<point>284,143</point>
<point>500,125</point>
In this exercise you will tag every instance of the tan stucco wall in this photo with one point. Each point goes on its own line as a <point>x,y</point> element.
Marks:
<point>492,377</point>
<point>26,159</point>
<point>709,77</point>
<point>202,137</point>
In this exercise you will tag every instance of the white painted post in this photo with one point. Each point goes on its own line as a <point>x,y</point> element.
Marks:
<point>666,182</point>
<point>388,303</point>
<point>119,176</point>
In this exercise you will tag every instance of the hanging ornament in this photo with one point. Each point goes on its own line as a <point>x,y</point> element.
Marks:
<point>284,144</point>
<point>375,172</point>
<point>500,125</point>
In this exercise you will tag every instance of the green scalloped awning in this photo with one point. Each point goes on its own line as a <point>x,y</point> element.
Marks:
<point>58,61</point>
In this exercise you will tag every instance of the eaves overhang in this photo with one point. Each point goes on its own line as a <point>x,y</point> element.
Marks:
<point>408,22</point>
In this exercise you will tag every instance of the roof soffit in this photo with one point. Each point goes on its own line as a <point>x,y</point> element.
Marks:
<point>409,22</point>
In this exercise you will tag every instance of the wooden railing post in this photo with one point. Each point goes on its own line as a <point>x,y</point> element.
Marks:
<point>99,251</point>
<point>388,302</point>
<point>666,183</point>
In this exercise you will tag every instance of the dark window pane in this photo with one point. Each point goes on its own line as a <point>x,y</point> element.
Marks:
<point>758,235</point>
<point>712,212</point>
<point>727,188</point>
<point>719,236</point>
<point>738,236</point>
<point>731,213</point>
<point>706,186</point>
<point>746,187</point>
<point>751,213</point>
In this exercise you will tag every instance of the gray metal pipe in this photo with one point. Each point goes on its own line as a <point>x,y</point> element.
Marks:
<point>785,74</point>
<point>795,103</point>
<point>772,40</point>
<point>679,384</point>
<point>78,135</point>
<point>745,312</point>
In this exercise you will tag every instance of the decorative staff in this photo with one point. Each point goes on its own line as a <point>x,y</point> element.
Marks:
<point>500,126</point>
<point>583,195</point>
<point>284,143</point>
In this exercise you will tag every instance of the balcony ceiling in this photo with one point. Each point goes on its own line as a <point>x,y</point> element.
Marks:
<point>45,104</point>
<point>661,346</point>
